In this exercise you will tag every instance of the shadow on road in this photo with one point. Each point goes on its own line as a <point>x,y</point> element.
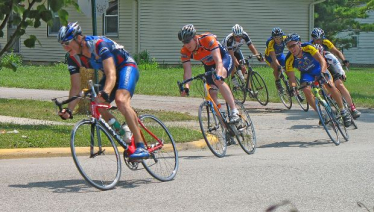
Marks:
<point>79,186</point>
<point>297,144</point>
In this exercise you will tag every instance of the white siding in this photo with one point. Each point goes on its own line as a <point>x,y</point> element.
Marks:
<point>363,54</point>
<point>159,24</point>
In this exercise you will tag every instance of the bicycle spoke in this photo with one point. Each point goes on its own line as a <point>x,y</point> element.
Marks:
<point>95,155</point>
<point>212,129</point>
<point>163,162</point>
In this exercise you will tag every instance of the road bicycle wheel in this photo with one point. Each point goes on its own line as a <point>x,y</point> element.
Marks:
<point>338,118</point>
<point>239,91</point>
<point>326,118</point>
<point>95,154</point>
<point>163,163</point>
<point>213,129</point>
<point>246,135</point>
<point>302,102</point>
<point>284,95</point>
<point>258,88</point>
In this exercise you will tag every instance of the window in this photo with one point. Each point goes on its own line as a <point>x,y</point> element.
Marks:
<point>355,41</point>
<point>53,30</point>
<point>111,19</point>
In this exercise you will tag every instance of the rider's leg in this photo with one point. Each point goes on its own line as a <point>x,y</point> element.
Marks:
<point>128,77</point>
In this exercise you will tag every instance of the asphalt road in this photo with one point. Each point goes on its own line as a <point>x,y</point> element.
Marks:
<point>294,162</point>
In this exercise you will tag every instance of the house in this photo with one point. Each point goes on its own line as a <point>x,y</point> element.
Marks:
<point>153,25</point>
<point>362,50</point>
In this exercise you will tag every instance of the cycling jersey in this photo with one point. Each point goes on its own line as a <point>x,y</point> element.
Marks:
<point>230,44</point>
<point>307,65</point>
<point>102,48</point>
<point>327,45</point>
<point>334,66</point>
<point>272,46</point>
<point>206,43</point>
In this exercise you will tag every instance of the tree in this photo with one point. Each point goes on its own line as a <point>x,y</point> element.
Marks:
<point>30,13</point>
<point>335,16</point>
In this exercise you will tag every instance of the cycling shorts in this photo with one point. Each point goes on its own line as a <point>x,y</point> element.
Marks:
<point>227,63</point>
<point>127,77</point>
<point>281,59</point>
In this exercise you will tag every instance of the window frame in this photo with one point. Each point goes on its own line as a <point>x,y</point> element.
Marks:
<point>116,35</point>
<point>49,33</point>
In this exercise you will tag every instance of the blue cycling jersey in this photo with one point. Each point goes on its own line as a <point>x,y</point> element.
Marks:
<point>101,48</point>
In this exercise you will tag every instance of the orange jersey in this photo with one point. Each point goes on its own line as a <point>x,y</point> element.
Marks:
<point>206,44</point>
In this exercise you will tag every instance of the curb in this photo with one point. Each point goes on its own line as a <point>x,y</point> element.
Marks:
<point>66,152</point>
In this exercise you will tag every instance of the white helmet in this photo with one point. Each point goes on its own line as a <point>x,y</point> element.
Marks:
<point>237,30</point>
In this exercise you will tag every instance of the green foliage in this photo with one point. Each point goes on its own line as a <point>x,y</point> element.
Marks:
<point>335,16</point>
<point>144,60</point>
<point>11,61</point>
<point>30,13</point>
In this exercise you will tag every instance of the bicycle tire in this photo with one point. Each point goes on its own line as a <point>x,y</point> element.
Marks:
<point>163,163</point>
<point>239,93</point>
<point>329,124</point>
<point>285,96</point>
<point>212,129</point>
<point>101,169</point>
<point>303,104</point>
<point>338,118</point>
<point>259,88</point>
<point>246,135</point>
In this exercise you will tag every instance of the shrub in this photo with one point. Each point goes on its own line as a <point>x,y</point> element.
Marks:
<point>144,61</point>
<point>11,61</point>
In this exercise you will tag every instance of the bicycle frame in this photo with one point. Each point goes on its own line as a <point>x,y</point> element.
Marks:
<point>96,118</point>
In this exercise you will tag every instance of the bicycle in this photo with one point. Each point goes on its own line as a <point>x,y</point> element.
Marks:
<point>329,113</point>
<point>215,126</point>
<point>96,155</point>
<point>253,85</point>
<point>287,92</point>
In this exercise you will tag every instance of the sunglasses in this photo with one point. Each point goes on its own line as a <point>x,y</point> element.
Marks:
<point>66,43</point>
<point>292,46</point>
<point>186,41</point>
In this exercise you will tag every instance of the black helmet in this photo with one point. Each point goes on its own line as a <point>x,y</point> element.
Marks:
<point>186,33</point>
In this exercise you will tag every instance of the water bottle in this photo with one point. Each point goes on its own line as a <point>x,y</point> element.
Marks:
<point>116,126</point>
<point>128,133</point>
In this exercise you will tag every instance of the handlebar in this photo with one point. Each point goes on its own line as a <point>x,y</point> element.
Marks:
<point>84,93</point>
<point>200,76</point>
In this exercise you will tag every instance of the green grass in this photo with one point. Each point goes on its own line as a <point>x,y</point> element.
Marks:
<point>59,136</point>
<point>43,136</point>
<point>163,82</point>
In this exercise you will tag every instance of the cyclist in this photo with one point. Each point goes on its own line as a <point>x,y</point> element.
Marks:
<point>318,37</point>
<point>211,53</point>
<point>338,76</point>
<point>233,42</point>
<point>274,56</point>
<point>120,75</point>
<point>311,65</point>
